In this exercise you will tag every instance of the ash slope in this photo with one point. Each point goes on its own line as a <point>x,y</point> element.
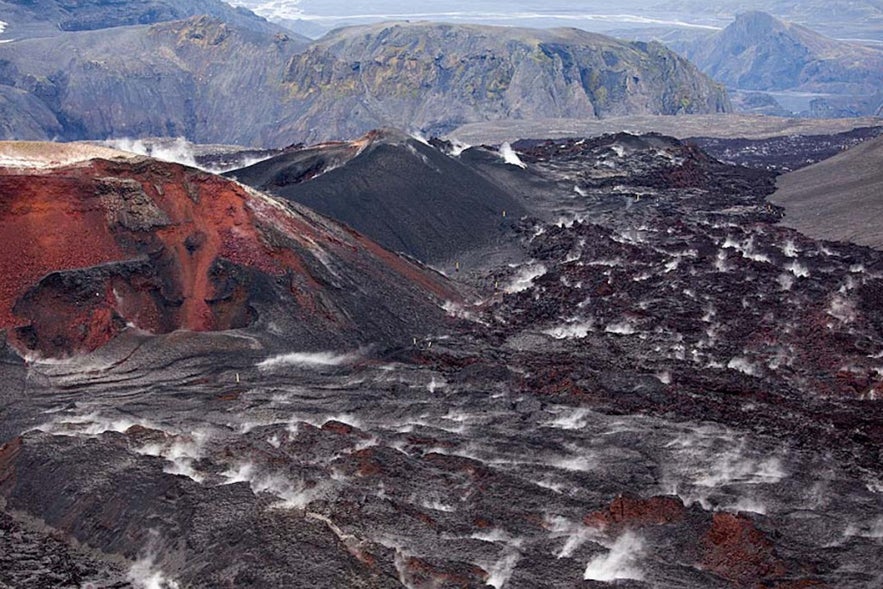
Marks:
<point>405,194</point>
<point>96,248</point>
<point>676,391</point>
<point>838,199</point>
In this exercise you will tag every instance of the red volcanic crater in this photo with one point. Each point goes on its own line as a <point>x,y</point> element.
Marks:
<point>88,248</point>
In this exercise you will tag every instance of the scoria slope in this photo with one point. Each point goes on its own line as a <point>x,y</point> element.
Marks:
<point>89,249</point>
<point>404,193</point>
<point>838,198</point>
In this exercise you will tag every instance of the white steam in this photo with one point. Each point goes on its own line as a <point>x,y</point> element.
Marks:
<point>502,570</point>
<point>797,269</point>
<point>181,452</point>
<point>575,330</point>
<point>525,277</point>
<point>145,574</point>
<point>178,150</point>
<point>619,563</point>
<point>307,360</point>
<point>293,494</point>
<point>510,157</point>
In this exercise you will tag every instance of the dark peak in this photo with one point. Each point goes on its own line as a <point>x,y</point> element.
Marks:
<point>385,135</point>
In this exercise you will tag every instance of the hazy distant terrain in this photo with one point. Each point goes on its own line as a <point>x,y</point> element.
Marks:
<point>729,126</point>
<point>214,82</point>
<point>860,19</point>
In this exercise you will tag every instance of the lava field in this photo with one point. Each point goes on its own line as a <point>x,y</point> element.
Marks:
<point>643,380</point>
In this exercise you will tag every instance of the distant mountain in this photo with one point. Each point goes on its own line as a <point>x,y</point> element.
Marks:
<point>30,18</point>
<point>840,18</point>
<point>408,196</point>
<point>215,82</point>
<point>94,244</point>
<point>199,78</point>
<point>760,52</point>
<point>434,77</point>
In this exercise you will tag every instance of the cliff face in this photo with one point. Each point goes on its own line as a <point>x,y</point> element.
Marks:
<point>215,82</point>
<point>91,248</point>
<point>435,77</point>
<point>760,52</point>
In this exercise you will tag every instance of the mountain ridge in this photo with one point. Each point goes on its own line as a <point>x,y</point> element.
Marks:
<point>213,82</point>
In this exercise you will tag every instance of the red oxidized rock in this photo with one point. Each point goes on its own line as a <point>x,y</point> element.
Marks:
<point>736,550</point>
<point>89,249</point>
<point>634,511</point>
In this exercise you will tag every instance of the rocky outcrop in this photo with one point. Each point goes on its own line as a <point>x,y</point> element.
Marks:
<point>94,248</point>
<point>760,52</point>
<point>435,77</point>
